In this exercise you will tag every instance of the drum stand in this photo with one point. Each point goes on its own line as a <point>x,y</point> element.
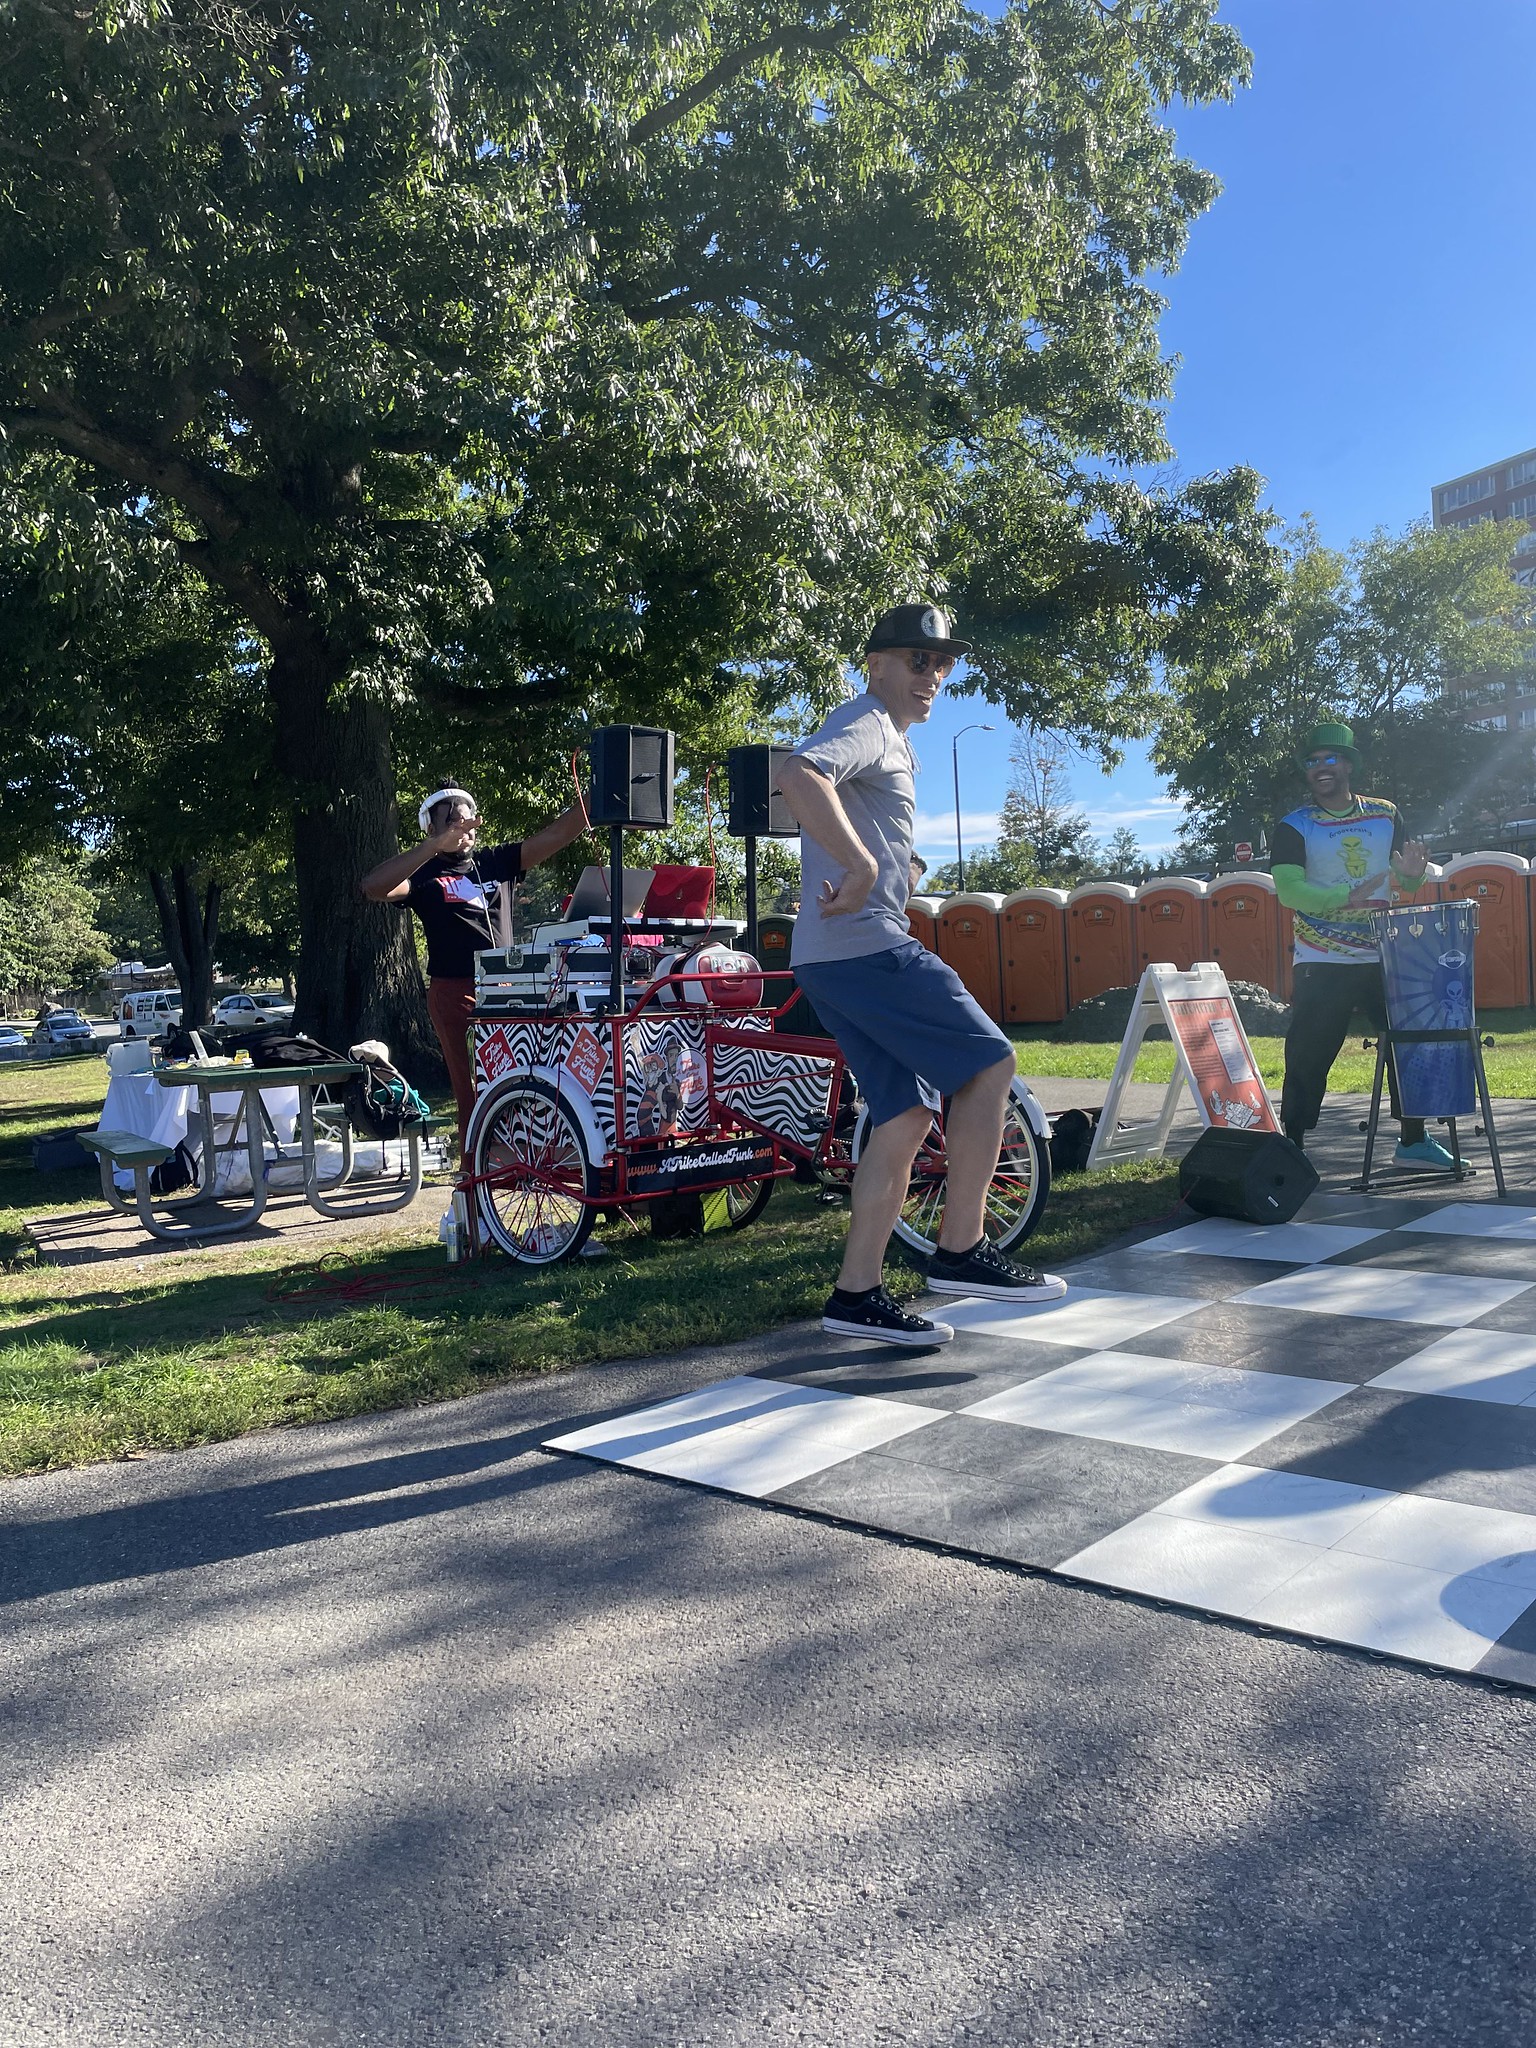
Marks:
<point>1469,1038</point>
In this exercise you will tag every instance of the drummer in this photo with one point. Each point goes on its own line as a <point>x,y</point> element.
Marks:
<point>1335,858</point>
<point>452,887</point>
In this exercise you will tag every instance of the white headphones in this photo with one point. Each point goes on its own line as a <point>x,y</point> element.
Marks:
<point>424,815</point>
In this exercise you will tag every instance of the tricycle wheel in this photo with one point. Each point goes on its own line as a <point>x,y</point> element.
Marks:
<point>1015,1200</point>
<point>524,1125</point>
<point>745,1201</point>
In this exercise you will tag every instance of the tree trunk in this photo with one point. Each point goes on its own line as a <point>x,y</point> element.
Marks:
<point>190,935</point>
<point>357,974</point>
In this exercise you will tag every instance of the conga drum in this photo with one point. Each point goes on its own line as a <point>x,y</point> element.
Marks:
<point>1426,964</point>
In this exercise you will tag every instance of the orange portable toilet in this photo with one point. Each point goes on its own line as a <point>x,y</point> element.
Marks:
<point>1170,921</point>
<point>1500,885</point>
<point>1243,918</point>
<point>923,920</point>
<point>1101,940</point>
<point>969,942</point>
<point>1033,925</point>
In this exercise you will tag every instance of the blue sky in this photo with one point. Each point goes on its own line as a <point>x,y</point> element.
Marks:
<point>1356,315</point>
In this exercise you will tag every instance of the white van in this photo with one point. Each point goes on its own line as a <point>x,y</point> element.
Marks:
<point>150,1014</point>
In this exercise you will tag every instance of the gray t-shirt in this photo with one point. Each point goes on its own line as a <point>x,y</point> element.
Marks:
<point>871,764</point>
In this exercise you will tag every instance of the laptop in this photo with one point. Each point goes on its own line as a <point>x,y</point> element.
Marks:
<point>591,896</point>
<point>680,892</point>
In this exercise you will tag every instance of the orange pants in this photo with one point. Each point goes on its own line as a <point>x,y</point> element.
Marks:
<point>451,1005</point>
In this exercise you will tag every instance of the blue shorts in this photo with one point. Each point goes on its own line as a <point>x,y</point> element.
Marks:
<point>906,1024</point>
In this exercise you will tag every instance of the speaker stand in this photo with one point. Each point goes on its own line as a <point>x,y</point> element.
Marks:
<point>616,920</point>
<point>752,896</point>
<point>1460,1171</point>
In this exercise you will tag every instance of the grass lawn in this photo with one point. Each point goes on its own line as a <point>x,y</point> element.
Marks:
<point>1511,1061</point>
<point>109,1360</point>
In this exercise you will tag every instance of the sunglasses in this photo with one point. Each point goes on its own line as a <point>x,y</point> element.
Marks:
<point>1325,760</point>
<point>921,659</point>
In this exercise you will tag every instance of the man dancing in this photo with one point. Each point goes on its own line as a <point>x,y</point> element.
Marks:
<point>904,1021</point>
<point>1334,858</point>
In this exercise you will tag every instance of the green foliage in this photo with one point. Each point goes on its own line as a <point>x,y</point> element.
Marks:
<point>48,935</point>
<point>501,369</point>
<point>1375,637</point>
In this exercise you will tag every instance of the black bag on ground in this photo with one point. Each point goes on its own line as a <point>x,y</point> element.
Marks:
<point>1072,1139</point>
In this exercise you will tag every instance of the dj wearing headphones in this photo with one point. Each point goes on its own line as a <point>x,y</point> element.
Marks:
<point>453,890</point>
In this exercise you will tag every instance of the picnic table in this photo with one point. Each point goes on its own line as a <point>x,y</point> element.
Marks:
<point>250,1130</point>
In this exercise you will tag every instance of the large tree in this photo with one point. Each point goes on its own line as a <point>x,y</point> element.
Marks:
<point>1377,635</point>
<point>497,364</point>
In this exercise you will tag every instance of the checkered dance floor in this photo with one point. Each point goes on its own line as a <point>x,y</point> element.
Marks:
<point>1326,1426</point>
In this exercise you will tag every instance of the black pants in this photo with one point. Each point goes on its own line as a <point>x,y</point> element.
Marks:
<point>1323,1001</point>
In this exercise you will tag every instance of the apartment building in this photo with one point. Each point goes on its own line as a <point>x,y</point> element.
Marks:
<point>1501,490</point>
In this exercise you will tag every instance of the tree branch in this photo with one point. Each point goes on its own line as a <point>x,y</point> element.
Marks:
<point>59,419</point>
<point>792,37</point>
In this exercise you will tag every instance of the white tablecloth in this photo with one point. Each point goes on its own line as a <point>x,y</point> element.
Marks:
<point>137,1103</point>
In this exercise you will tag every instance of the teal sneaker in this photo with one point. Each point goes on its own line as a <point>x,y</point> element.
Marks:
<point>1426,1157</point>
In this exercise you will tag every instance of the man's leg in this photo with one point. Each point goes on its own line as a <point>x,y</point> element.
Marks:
<point>973,1137</point>
<point>1322,1003</point>
<point>450,1005</point>
<point>879,1189</point>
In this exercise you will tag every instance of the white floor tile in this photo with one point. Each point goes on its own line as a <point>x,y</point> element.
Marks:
<point>1386,1294</point>
<point>1479,1219</point>
<point>722,1400</point>
<point>755,1446</point>
<point>1471,1365</point>
<point>1296,1244</point>
<point>1163,1404</point>
<point>1286,1504</point>
<point>1382,1605</point>
<point>1082,1316</point>
<point>1449,1537</point>
<point>1173,1559</point>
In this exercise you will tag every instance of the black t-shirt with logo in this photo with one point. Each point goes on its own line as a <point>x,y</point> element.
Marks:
<point>455,898</point>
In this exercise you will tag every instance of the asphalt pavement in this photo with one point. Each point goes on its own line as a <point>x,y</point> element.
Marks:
<point>405,1731</point>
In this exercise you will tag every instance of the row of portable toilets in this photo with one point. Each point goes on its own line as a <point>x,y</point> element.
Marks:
<point>1031,957</point>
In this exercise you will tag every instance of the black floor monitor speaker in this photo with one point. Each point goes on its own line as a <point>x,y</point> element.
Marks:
<point>1256,1176</point>
<point>632,772</point>
<point>757,810</point>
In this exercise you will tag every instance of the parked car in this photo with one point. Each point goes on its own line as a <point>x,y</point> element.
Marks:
<point>63,1027</point>
<point>151,1013</point>
<point>249,1011</point>
<point>13,1043</point>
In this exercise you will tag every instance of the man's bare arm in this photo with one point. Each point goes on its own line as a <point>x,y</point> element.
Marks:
<point>390,881</point>
<point>554,837</point>
<point>818,809</point>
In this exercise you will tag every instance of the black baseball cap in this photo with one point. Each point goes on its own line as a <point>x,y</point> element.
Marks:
<point>915,625</point>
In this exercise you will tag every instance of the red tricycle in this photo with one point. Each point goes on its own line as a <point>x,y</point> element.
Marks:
<point>697,1087</point>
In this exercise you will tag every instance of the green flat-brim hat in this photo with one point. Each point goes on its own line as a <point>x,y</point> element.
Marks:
<point>1332,738</point>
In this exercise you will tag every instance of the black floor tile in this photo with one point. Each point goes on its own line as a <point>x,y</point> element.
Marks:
<point>1513,1656</point>
<point>1479,1452</point>
<point>1191,1273</point>
<point>1517,1315</point>
<point>1286,1340</point>
<point>1381,1212</point>
<point>998,1489</point>
<point>960,1374</point>
<point>1440,1252</point>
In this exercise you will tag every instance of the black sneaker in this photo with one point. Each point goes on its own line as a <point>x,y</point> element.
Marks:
<point>876,1315</point>
<point>984,1272</point>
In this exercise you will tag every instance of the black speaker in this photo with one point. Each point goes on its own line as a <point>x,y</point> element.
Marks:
<point>1256,1176</point>
<point>757,809</point>
<point>631,776</point>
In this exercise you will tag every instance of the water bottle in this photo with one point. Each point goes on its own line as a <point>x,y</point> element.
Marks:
<point>461,1230</point>
<point>451,1239</point>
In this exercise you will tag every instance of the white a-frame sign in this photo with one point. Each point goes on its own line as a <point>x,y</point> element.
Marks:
<point>1212,1058</point>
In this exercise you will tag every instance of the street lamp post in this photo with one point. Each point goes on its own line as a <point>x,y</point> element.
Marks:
<point>954,749</point>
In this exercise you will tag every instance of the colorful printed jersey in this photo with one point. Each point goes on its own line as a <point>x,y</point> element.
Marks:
<point>1335,851</point>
